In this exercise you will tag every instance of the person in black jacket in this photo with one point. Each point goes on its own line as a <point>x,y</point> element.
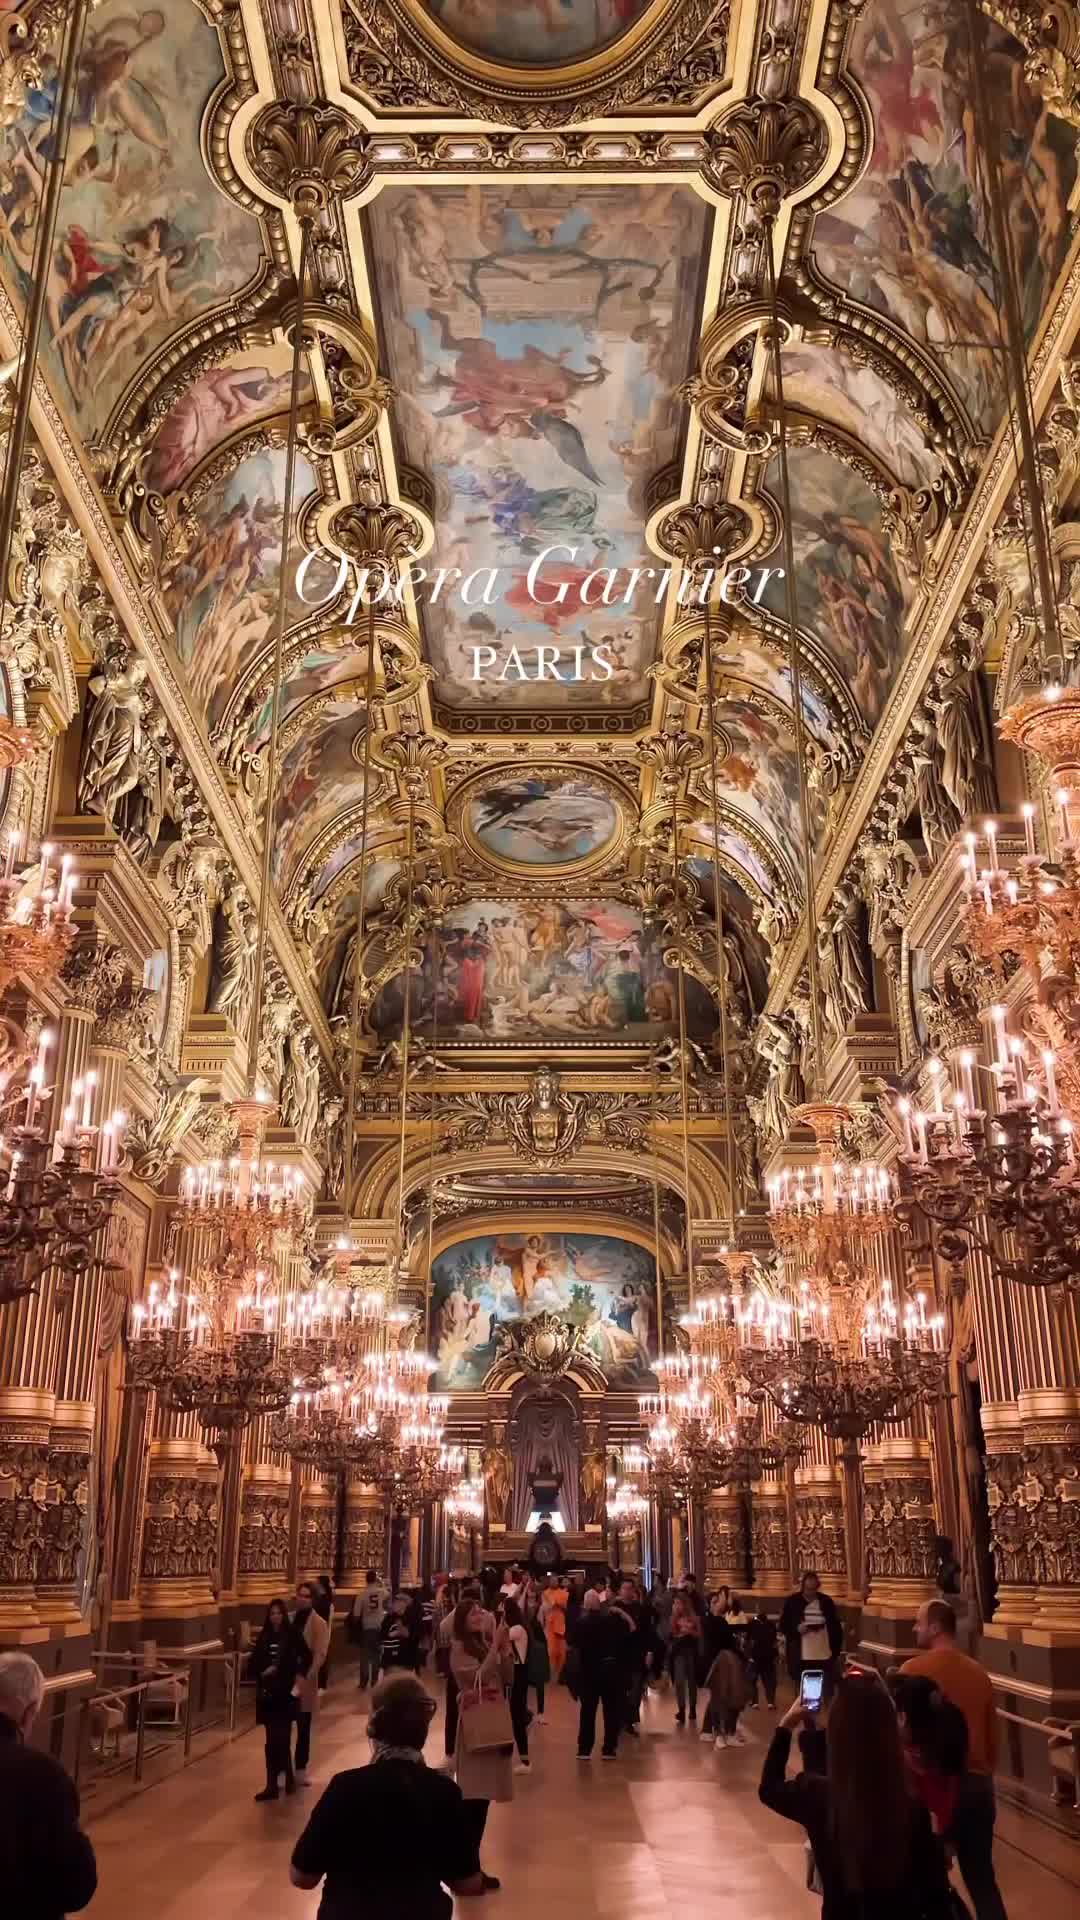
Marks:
<point>47,1866</point>
<point>604,1639</point>
<point>873,1844</point>
<point>280,1656</point>
<point>387,1838</point>
<point>761,1640</point>
<point>811,1630</point>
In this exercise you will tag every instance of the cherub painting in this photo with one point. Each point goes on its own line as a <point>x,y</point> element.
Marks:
<point>604,1286</point>
<point>911,238</point>
<point>146,240</point>
<point>533,333</point>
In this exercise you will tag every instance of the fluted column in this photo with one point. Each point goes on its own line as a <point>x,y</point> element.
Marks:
<point>770,1539</point>
<point>820,1535</point>
<point>727,1545</point>
<point>318,1526</point>
<point>365,1542</point>
<point>900,1523</point>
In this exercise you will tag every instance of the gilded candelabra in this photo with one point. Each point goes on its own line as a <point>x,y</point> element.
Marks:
<point>59,1194</point>
<point>36,930</point>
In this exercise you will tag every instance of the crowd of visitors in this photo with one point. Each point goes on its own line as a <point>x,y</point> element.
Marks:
<point>895,1782</point>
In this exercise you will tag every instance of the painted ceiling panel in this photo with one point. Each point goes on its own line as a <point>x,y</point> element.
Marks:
<point>536,32</point>
<point>910,238</point>
<point>822,381</point>
<point>849,593</point>
<point>539,335</point>
<point>319,777</point>
<point>145,240</point>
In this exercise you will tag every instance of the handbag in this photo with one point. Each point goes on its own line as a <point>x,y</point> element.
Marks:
<point>485,1725</point>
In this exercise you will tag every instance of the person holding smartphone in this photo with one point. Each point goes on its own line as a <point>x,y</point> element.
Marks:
<point>873,1845</point>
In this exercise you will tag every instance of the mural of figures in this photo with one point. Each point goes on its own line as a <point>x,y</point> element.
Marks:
<point>572,969</point>
<point>822,381</point>
<point>145,239</point>
<point>221,403</point>
<point>542,819</point>
<point>536,337</point>
<point>536,32</point>
<point>746,658</point>
<point>910,239</point>
<point>594,1281</point>
<point>739,922</point>
<point>759,773</point>
<point>738,849</point>
<point>222,591</point>
<point>850,595</point>
<point>320,776</point>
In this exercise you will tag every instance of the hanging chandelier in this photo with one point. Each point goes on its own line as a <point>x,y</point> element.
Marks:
<point>967,1168</point>
<point>36,929</point>
<point>842,1359</point>
<point>465,1503</point>
<point>58,1197</point>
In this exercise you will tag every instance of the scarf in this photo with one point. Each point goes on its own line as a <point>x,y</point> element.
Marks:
<point>382,1750</point>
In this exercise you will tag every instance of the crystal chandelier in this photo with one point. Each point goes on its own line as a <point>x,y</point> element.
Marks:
<point>36,930</point>
<point>58,1198</point>
<point>684,1437</point>
<point>842,1359</point>
<point>824,1218</point>
<point>247,1204</point>
<point>1013,1170</point>
<point>465,1503</point>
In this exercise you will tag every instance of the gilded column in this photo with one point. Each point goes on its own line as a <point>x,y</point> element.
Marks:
<point>365,1542</point>
<point>820,1534</point>
<point>770,1539</point>
<point>179,1549</point>
<point>900,1524</point>
<point>263,1564</point>
<point>26,1415</point>
<point>727,1544</point>
<point>318,1526</point>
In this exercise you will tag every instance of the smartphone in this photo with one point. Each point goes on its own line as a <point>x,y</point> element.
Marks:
<point>810,1688</point>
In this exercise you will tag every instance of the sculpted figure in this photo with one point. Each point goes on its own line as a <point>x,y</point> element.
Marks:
<point>233,964</point>
<point>113,749</point>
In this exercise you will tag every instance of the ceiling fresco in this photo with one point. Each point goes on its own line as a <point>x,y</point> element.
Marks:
<point>539,336</point>
<point>534,366</point>
<point>536,32</point>
<point>910,240</point>
<point>553,971</point>
<point>146,240</point>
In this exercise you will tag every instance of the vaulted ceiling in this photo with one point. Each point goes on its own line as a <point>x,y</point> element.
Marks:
<point>542,251</point>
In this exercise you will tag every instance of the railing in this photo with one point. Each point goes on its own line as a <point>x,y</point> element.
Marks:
<point>180,1707</point>
<point>1063,1759</point>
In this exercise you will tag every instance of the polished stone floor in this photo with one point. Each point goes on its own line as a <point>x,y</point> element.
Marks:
<point>671,1828</point>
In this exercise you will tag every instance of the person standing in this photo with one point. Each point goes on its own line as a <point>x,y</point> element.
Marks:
<point>872,1841</point>
<point>323,1603</point>
<point>762,1641</point>
<point>481,1669</point>
<point>49,1868</point>
<point>718,1638</point>
<point>602,1645</point>
<point>539,1657</point>
<point>687,1633</point>
<point>279,1657</point>
<point>518,1634</point>
<point>387,1838</point>
<point>368,1613</point>
<point>966,1685</point>
<point>553,1613</point>
<point>629,1602</point>
<point>811,1629</point>
<point>472,1593</point>
<point>663,1599</point>
<point>316,1636</point>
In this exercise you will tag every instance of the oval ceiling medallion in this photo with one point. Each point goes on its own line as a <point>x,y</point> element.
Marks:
<point>536,33</point>
<point>545,821</point>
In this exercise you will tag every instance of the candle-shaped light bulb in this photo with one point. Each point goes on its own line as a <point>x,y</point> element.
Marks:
<point>1051,1083</point>
<point>1028,812</point>
<point>1063,805</point>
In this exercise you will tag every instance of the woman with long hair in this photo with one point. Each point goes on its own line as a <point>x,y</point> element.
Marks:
<point>872,1841</point>
<point>481,1670</point>
<point>518,1633</point>
<point>279,1659</point>
<point>686,1640</point>
<point>553,1607</point>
